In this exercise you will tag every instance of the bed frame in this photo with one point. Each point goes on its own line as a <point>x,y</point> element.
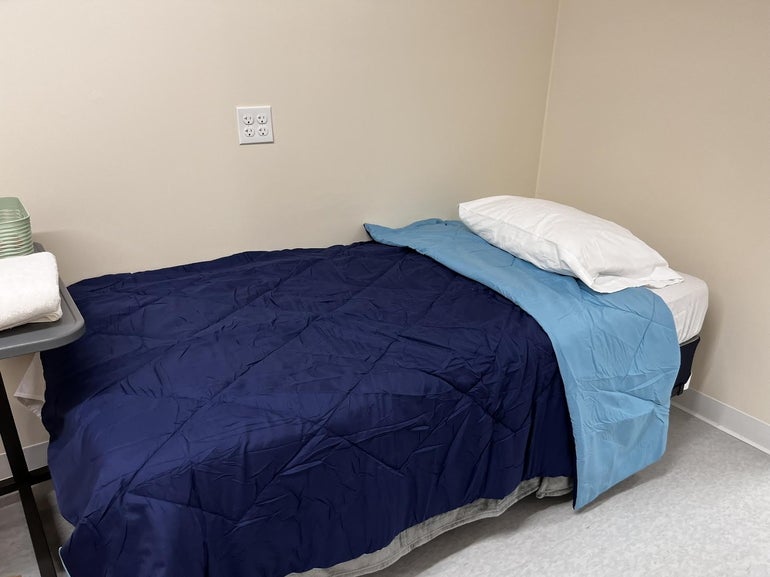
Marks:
<point>687,350</point>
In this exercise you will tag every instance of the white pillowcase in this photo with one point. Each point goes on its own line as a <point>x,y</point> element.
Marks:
<point>565,240</point>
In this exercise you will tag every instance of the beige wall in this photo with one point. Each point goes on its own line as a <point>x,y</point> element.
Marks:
<point>659,118</point>
<point>117,131</point>
<point>117,121</point>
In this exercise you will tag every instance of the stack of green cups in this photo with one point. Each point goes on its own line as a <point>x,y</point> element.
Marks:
<point>15,230</point>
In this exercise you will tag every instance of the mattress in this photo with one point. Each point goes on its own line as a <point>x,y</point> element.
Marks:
<point>688,301</point>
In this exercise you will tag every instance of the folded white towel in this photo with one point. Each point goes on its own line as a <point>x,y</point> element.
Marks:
<point>29,290</point>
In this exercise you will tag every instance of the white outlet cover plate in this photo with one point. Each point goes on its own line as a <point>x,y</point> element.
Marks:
<point>261,125</point>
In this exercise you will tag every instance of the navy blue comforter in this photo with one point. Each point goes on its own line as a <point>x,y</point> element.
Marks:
<point>267,413</point>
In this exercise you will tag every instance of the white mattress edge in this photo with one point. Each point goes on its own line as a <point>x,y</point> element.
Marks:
<point>688,303</point>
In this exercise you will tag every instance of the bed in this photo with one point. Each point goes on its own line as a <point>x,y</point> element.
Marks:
<point>321,412</point>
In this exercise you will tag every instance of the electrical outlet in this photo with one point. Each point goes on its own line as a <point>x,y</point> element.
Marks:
<point>255,124</point>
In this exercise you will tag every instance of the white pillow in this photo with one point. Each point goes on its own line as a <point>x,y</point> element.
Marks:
<point>565,240</point>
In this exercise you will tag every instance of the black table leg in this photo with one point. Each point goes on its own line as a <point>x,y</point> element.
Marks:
<point>23,481</point>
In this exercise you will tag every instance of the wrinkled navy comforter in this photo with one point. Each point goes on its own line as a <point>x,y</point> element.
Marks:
<point>267,413</point>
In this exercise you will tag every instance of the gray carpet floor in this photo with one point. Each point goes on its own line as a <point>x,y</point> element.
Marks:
<point>703,510</point>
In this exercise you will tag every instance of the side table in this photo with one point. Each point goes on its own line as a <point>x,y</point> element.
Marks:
<point>31,338</point>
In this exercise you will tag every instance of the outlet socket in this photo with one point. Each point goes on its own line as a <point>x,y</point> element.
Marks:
<point>255,124</point>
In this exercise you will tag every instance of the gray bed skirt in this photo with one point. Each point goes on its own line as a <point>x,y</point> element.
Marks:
<point>420,534</point>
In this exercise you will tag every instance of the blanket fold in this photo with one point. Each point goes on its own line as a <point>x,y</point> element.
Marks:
<point>618,353</point>
<point>29,290</point>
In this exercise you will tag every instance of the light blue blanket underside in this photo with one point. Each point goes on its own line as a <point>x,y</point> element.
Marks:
<point>618,353</point>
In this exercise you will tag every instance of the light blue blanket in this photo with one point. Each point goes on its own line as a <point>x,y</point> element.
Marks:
<point>618,353</point>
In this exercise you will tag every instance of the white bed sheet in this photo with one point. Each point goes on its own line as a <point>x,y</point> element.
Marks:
<point>688,301</point>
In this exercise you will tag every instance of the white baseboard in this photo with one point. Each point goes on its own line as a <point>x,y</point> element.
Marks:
<point>36,455</point>
<point>726,418</point>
